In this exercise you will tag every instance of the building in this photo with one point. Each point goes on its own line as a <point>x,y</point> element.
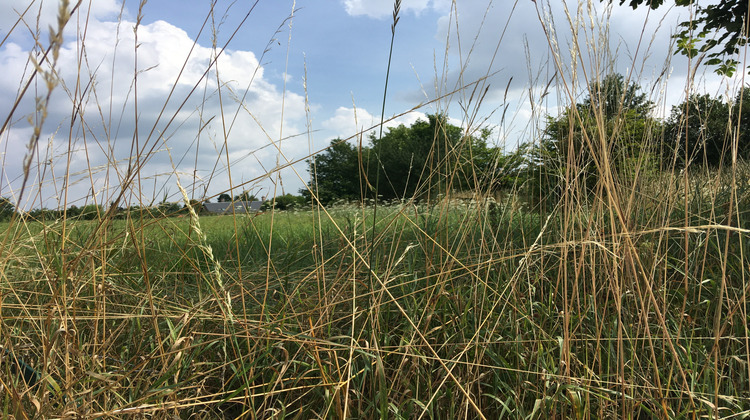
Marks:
<point>238,207</point>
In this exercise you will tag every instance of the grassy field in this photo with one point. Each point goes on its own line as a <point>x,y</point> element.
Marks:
<point>452,309</point>
<point>163,304</point>
<point>625,301</point>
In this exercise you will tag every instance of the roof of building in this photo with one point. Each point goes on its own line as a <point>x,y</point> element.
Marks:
<point>239,207</point>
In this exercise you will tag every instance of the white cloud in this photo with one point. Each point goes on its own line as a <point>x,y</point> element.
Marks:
<point>33,15</point>
<point>619,39</point>
<point>244,109</point>
<point>383,8</point>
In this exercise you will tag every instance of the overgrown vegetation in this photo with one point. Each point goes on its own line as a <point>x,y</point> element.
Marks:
<point>423,161</point>
<point>597,271</point>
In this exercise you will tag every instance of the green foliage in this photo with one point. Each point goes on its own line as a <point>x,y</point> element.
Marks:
<point>91,212</point>
<point>717,30</point>
<point>613,95</point>
<point>7,208</point>
<point>245,196</point>
<point>286,202</point>
<point>611,130</point>
<point>703,129</point>
<point>170,209</point>
<point>416,161</point>
<point>43,214</point>
<point>87,212</point>
<point>501,171</point>
<point>421,161</point>
<point>196,205</point>
<point>224,198</point>
<point>335,174</point>
<point>429,159</point>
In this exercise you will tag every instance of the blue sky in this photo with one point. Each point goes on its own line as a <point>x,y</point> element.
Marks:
<point>294,71</point>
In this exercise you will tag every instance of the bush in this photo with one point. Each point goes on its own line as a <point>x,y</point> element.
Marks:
<point>286,202</point>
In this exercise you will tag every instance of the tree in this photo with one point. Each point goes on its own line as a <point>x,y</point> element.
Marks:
<point>6,209</point>
<point>741,111</point>
<point>612,95</point>
<point>695,131</point>
<point>335,174</point>
<point>718,30</point>
<point>611,130</point>
<point>286,202</point>
<point>245,196</point>
<point>73,211</point>
<point>197,206</point>
<point>169,209</point>
<point>506,170</point>
<point>421,161</point>
<point>224,198</point>
<point>428,159</point>
<point>700,130</point>
<point>90,212</point>
<point>407,158</point>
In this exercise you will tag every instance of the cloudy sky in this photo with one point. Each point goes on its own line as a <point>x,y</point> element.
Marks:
<point>155,94</point>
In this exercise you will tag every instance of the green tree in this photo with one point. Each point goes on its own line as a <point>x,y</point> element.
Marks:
<point>718,30</point>
<point>741,111</point>
<point>45,214</point>
<point>505,170</point>
<point>427,159</point>
<point>423,161</point>
<point>196,205</point>
<point>169,209</point>
<point>702,130</point>
<point>73,211</point>
<point>6,209</point>
<point>613,95</point>
<point>335,174</point>
<point>224,198</point>
<point>286,202</point>
<point>404,156</point>
<point>245,196</point>
<point>91,212</point>
<point>611,130</point>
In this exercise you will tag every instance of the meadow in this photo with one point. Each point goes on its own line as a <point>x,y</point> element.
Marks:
<point>470,307</point>
<point>624,299</point>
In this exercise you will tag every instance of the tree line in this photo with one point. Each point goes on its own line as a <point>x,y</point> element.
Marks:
<point>612,128</point>
<point>424,160</point>
<point>163,209</point>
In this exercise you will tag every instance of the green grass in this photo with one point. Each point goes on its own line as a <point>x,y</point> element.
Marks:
<point>464,299</point>
<point>624,300</point>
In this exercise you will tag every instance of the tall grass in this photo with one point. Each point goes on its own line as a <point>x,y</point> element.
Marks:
<point>629,301</point>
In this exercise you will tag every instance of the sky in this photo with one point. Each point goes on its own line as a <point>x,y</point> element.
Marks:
<point>228,96</point>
